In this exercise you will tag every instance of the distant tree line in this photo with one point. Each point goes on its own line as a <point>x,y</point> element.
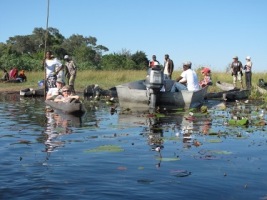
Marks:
<point>27,52</point>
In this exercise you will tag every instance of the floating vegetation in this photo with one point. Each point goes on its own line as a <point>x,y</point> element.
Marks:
<point>105,148</point>
<point>215,141</point>
<point>168,159</point>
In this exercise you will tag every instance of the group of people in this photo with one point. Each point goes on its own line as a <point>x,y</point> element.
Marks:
<point>237,71</point>
<point>56,72</point>
<point>14,74</point>
<point>188,80</point>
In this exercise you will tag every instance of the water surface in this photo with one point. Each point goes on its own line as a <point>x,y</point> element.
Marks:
<point>105,155</point>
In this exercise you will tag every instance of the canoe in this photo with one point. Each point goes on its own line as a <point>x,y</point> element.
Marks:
<point>261,86</point>
<point>30,92</point>
<point>262,90</point>
<point>134,95</point>
<point>74,107</point>
<point>95,90</point>
<point>225,86</point>
<point>229,95</point>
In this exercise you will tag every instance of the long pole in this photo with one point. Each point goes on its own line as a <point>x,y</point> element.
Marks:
<point>45,46</point>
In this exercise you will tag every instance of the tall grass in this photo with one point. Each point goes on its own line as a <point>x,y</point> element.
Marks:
<point>108,79</point>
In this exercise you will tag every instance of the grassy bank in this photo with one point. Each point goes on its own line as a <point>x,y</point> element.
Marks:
<point>107,79</point>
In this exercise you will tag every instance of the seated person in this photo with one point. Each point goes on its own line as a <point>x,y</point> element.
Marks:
<point>187,81</point>
<point>22,76</point>
<point>5,77</point>
<point>207,78</point>
<point>66,95</point>
<point>13,73</point>
<point>54,92</point>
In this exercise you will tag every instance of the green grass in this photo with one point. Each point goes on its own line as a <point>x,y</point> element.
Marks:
<point>107,79</point>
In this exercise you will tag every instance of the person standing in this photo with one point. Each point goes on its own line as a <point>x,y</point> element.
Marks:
<point>248,74</point>
<point>237,74</point>
<point>153,62</point>
<point>188,80</point>
<point>50,64</point>
<point>168,67</point>
<point>71,72</point>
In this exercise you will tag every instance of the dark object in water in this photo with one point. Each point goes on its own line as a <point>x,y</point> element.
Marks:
<point>94,90</point>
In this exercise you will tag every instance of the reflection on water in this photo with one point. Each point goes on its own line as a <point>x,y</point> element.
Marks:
<point>111,155</point>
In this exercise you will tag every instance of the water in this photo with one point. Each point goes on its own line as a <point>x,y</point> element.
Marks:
<point>112,156</point>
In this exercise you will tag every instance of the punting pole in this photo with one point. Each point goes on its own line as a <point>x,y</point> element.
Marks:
<point>45,46</point>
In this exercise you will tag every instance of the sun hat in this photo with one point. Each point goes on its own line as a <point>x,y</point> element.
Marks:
<point>248,58</point>
<point>66,57</point>
<point>59,80</point>
<point>66,87</point>
<point>235,57</point>
<point>205,70</point>
<point>188,63</point>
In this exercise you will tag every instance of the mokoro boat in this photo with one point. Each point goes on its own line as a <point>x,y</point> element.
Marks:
<point>225,86</point>
<point>74,107</point>
<point>229,95</point>
<point>262,90</point>
<point>30,92</point>
<point>134,95</point>
<point>261,87</point>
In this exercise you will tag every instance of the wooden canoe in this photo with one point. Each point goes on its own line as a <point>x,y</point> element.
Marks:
<point>225,86</point>
<point>229,95</point>
<point>262,90</point>
<point>74,107</point>
<point>30,92</point>
<point>134,95</point>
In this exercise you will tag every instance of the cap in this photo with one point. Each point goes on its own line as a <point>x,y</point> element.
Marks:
<point>235,57</point>
<point>205,70</point>
<point>59,80</point>
<point>188,63</point>
<point>248,58</point>
<point>66,87</point>
<point>66,57</point>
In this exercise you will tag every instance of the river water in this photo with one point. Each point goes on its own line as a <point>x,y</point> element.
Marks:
<point>124,155</point>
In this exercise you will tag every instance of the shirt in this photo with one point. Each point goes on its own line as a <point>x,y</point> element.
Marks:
<point>191,79</point>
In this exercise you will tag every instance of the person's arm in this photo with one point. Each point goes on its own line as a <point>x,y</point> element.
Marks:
<point>59,98</point>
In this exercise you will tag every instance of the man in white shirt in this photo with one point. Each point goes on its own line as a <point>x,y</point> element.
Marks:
<point>187,81</point>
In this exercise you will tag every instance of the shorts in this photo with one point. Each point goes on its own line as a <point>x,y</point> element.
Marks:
<point>237,77</point>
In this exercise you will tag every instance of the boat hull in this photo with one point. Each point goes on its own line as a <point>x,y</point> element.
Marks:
<point>72,107</point>
<point>225,86</point>
<point>134,95</point>
<point>29,92</point>
<point>229,95</point>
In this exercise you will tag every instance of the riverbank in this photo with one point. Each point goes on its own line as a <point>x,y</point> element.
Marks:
<point>108,79</point>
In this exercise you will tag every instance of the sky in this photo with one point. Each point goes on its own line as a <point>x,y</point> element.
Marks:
<point>205,32</point>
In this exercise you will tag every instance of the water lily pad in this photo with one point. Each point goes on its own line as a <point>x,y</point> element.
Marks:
<point>168,159</point>
<point>105,148</point>
<point>215,141</point>
<point>221,152</point>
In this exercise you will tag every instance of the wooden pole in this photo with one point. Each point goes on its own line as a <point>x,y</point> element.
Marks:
<point>45,46</point>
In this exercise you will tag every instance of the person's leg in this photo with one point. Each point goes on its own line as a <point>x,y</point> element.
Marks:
<point>178,87</point>
<point>234,80</point>
<point>71,84</point>
<point>249,80</point>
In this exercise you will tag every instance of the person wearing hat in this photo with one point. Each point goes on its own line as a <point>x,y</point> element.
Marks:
<point>188,80</point>
<point>70,72</point>
<point>54,92</point>
<point>168,67</point>
<point>207,78</point>
<point>66,95</point>
<point>236,68</point>
<point>248,74</point>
